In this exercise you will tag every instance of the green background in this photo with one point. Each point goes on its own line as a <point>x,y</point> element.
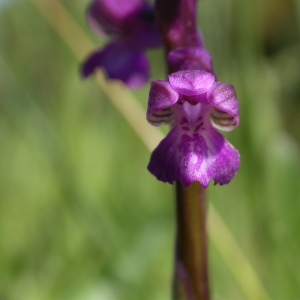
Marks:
<point>80,216</point>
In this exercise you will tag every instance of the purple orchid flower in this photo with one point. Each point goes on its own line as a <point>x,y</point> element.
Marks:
<point>131,24</point>
<point>195,104</point>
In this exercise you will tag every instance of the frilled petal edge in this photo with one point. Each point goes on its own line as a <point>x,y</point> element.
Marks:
<point>120,62</point>
<point>194,158</point>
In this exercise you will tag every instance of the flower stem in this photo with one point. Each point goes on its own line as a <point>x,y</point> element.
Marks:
<point>177,22</point>
<point>191,266</point>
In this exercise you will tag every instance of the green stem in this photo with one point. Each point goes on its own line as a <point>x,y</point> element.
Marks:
<point>191,266</point>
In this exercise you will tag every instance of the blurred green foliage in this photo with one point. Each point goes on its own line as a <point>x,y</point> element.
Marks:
<point>80,216</point>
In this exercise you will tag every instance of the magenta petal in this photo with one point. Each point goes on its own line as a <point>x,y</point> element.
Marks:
<point>148,37</point>
<point>161,98</point>
<point>191,59</point>
<point>194,158</point>
<point>120,62</point>
<point>191,82</point>
<point>164,159</point>
<point>226,165</point>
<point>225,115</point>
<point>115,16</point>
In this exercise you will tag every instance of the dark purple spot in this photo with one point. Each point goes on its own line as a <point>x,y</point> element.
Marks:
<point>184,121</point>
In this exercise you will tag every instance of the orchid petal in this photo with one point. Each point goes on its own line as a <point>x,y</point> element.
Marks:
<point>191,82</point>
<point>120,62</point>
<point>115,16</point>
<point>225,115</point>
<point>200,157</point>
<point>149,37</point>
<point>161,98</point>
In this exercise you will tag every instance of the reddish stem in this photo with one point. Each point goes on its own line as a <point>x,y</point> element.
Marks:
<point>191,266</point>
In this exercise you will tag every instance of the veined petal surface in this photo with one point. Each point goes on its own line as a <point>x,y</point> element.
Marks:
<point>225,115</point>
<point>198,157</point>
<point>191,82</point>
